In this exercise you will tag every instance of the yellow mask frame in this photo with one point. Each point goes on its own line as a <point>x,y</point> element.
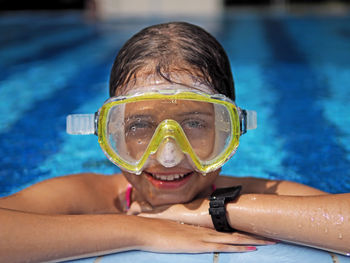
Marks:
<point>170,129</point>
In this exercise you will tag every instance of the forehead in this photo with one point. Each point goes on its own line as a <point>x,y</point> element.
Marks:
<point>154,82</point>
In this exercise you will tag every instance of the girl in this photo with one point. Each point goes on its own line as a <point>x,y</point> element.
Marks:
<point>170,124</point>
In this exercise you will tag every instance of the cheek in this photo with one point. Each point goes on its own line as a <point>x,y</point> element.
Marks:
<point>205,145</point>
<point>205,184</point>
<point>132,178</point>
<point>136,148</point>
<point>210,178</point>
<point>139,182</point>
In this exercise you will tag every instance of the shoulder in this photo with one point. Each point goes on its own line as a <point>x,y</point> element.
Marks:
<point>73,183</point>
<point>264,186</point>
<point>75,193</point>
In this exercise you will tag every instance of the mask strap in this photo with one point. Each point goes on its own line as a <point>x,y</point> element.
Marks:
<point>81,124</point>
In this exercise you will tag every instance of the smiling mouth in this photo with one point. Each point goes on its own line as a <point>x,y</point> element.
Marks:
<point>169,177</point>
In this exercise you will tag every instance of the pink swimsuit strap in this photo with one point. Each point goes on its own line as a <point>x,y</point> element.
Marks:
<point>128,194</point>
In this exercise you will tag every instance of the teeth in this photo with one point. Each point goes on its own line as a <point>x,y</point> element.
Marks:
<point>168,177</point>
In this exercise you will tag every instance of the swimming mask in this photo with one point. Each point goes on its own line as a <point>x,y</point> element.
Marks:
<point>170,125</point>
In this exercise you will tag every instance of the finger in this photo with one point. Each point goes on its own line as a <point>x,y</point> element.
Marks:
<point>134,209</point>
<point>257,237</point>
<point>149,215</point>
<point>253,237</point>
<point>213,236</point>
<point>214,247</point>
<point>236,238</point>
<point>156,213</point>
<point>239,240</point>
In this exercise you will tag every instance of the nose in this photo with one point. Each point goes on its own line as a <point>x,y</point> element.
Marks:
<point>169,154</point>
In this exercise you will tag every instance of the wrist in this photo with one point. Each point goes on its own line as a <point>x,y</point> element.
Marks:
<point>242,213</point>
<point>206,220</point>
<point>197,213</point>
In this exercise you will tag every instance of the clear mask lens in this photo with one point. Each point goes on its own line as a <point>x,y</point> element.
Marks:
<point>200,129</point>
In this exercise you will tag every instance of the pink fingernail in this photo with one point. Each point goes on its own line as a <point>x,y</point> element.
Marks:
<point>250,248</point>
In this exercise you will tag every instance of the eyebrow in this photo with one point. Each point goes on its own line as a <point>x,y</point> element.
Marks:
<point>133,116</point>
<point>138,116</point>
<point>149,116</point>
<point>196,113</point>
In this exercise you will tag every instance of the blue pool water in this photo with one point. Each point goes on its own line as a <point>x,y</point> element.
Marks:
<point>293,70</point>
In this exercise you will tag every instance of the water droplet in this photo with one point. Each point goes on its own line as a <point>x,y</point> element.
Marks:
<point>139,141</point>
<point>326,230</point>
<point>340,220</point>
<point>340,236</point>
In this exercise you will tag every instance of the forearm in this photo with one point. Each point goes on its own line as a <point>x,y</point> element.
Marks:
<point>319,221</point>
<point>49,237</point>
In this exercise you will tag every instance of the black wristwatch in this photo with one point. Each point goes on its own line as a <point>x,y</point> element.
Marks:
<point>217,209</point>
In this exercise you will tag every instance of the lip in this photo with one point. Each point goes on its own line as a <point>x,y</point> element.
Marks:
<point>168,184</point>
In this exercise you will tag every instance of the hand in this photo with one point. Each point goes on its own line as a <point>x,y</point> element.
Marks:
<point>174,237</point>
<point>197,214</point>
<point>139,207</point>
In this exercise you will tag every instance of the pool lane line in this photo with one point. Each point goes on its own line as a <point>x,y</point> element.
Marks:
<point>38,133</point>
<point>310,140</point>
<point>37,80</point>
<point>248,52</point>
<point>26,32</point>
<point>46,45</point>
<point>22,56</point>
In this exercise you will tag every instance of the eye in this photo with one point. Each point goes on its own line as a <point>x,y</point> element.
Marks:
<point>138,125</point>
<point>194,124</point>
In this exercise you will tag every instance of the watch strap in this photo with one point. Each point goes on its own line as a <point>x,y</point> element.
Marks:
<point>217,209</point>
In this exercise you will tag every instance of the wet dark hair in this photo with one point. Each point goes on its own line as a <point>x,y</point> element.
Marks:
<point>176,46</point>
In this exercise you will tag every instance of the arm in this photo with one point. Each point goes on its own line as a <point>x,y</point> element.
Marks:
<point>37,238</point>
<point>84,193</point>
<point>316,221</point>
<point>252,185</point>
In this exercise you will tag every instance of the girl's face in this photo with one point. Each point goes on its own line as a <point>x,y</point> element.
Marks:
<point>158,184</point>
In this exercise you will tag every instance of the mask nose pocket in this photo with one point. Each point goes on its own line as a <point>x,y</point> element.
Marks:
<point>169,154</point>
